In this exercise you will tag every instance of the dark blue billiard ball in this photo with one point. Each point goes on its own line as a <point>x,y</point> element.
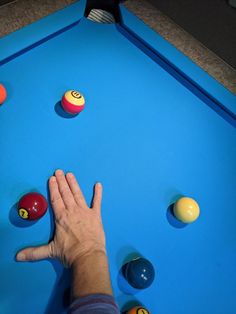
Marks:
<point>139,273</point>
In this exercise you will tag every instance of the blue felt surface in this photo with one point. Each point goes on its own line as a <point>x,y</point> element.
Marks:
<point>148,139</point>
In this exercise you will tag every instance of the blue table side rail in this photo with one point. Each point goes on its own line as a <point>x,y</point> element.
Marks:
<point>160,49</point>
<point>26,37</point>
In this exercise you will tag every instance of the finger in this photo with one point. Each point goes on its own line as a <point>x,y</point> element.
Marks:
<point>97,197</point>
<point>75,189</point>
<point>55,196</point>
<point>64,189</point>
<point>33,253</point>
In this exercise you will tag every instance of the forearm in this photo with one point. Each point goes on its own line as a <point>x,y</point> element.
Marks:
<point>90,275</point>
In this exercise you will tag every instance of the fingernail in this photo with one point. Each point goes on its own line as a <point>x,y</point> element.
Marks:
<point>98,184</point>
<point>59,171</point>
<point>69,174</point>
<point>53,179</point>
<point>20,256</point>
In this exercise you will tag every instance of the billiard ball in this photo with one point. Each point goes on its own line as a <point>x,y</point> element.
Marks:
<point>186,209</point>
<point>139,273</point>
<point>138,310</point>
<point>32,206</point>
<point>73,102</point>
<point>3,94</point>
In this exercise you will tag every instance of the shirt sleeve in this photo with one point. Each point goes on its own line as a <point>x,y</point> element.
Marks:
<point>94,304</point>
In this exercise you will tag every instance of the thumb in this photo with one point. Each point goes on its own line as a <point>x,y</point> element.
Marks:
<point>33,253</point>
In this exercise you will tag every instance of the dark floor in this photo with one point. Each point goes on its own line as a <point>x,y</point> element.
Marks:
<point>212,22</point>
<point>2,2</point>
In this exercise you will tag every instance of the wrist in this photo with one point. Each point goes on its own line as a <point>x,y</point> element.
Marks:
<point>90,274</point>
<point>93,253</point>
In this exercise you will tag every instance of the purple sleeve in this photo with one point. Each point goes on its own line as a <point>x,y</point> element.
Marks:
<point>94,304</point>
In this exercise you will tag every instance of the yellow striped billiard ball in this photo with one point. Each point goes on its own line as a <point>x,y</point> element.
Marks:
<point>186,209</point>
<point>73,102</point>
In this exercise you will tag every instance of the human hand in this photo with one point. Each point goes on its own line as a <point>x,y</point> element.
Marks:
<point>78,228</point>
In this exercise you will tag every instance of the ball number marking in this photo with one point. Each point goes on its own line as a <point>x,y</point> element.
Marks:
<point>76,94</point>
<point>142,311</point>
<point>23,213</point>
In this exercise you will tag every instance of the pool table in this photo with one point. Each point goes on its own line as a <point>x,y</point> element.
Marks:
<point>155,127</point>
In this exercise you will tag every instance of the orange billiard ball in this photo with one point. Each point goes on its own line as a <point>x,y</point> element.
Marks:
<point>73,102</point>
<point>186,209</point>
<point>3,94</point>
<point>32,206</point>
<point>138,310</point>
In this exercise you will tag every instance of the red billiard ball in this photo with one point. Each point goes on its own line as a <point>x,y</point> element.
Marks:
<point>73,102</point>
<point>32,206</point>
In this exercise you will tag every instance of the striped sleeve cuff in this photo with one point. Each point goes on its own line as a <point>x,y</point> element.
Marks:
<point>94,304</point>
